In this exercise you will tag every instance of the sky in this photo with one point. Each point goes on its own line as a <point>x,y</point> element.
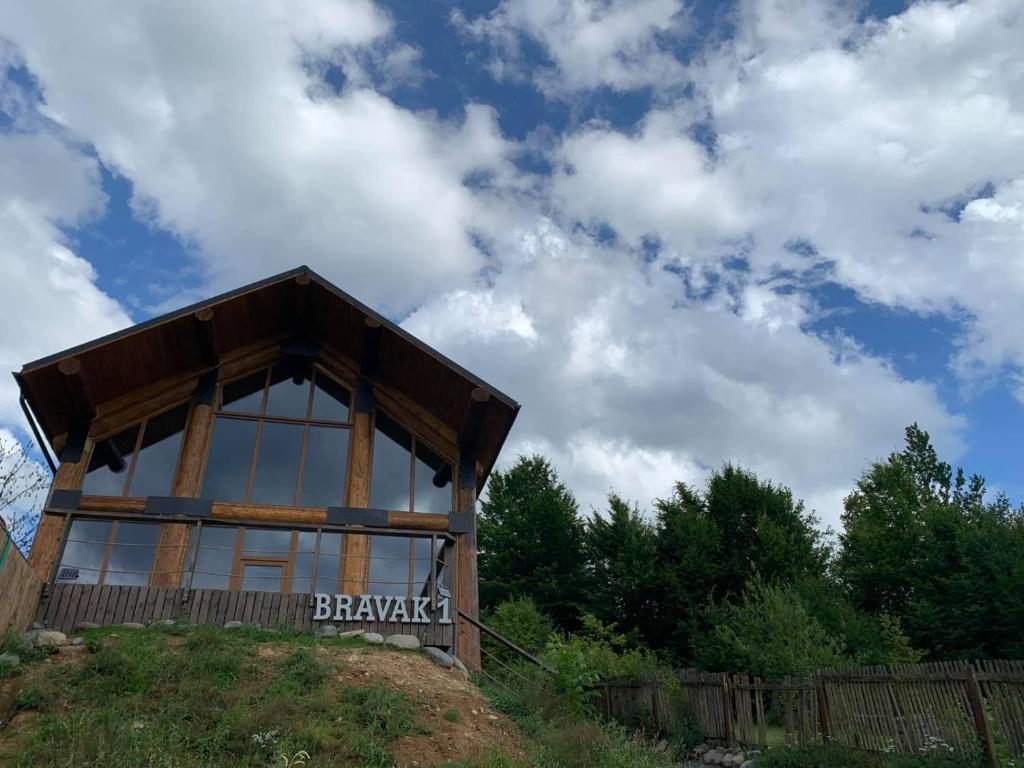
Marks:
<point>767,232</point>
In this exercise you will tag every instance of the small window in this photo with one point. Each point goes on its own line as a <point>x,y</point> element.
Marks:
<point>262,578</point>
<point>214,557</point>
<point>109,552</point>
<point>407,473</point>
<point>140,461</point>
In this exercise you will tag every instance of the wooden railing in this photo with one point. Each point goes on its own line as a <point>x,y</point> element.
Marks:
<point>19,586</point>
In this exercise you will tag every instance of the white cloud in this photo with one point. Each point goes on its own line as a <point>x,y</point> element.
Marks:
<point>49,297</point>
<point>218,118</point>
<point>590,42</point>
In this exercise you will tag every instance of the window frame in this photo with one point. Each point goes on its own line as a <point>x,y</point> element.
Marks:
<point>263,417</point>
<point>415,439</point>
<point>130,469</point>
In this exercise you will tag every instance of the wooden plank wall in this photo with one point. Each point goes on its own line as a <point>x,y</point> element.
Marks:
<point>19,587</point>
<point>71,604</point>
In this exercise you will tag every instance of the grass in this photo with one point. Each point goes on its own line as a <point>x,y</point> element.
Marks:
<point>203,696</point>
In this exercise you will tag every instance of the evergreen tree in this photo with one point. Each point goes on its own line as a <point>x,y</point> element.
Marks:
<point>622,550</point>
<point>531,542</point>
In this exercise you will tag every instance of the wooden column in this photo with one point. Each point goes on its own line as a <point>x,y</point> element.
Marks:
<point>47,540</point>
<point>357,546</point>
<point>173,541</point>
<point>467,596</point>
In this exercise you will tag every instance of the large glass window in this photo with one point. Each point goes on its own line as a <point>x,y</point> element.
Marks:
<point>139,461</point>
<point>407,473</point>
<point>400,565</point>
<point>114,552</point>
<point>281,437</point>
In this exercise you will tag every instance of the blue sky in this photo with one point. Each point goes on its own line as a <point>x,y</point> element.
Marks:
<point>772,232</point>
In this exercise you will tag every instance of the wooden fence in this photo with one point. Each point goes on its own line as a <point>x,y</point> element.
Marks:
<point>19,586</point>
<point>954,707</point>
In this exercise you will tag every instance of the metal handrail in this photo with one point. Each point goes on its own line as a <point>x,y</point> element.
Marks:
<point>505,641</point>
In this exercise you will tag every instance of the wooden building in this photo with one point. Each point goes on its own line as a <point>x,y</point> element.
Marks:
<point>279,454</point>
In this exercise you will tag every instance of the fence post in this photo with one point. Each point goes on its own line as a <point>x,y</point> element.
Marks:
<point>978,711</point>
<point>727,710</point>
<point>819,694</point>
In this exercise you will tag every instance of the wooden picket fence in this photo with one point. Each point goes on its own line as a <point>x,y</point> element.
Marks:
<point>19,587</point>
<point>949,707</point>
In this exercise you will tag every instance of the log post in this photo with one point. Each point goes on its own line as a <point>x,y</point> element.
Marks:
<point>726,711</point>
<point>47,539</point>
<point>819,694</point>
<point>977,703</point>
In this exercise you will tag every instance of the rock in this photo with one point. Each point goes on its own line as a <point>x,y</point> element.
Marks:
<point>163,623</point>
<point>9,660</point>
<point>233,625</point>
<point>50,639</point>
<point>739,758</point>
<point>77,641</point>
<point>405,642</point>
<point>712,757</point>
<point>373,638</point>
<point>747,764</point>
<point>351,633</point>
<point>31,635</point>
<point>83,625</point>
<point>457,663</point>
<point>37,625</point>
<point>701,749</point>
<point>728,761</point>
<point>133,625</point>
<point>439,657</point>
<point>327,630</point>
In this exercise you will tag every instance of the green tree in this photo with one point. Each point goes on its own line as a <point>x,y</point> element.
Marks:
<point>531,542</point>
<point>768,631</point>
<point>921,544</point>
<point>709,544</point>
<point>622,551</point>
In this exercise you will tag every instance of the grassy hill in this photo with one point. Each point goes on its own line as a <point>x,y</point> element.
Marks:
<point>179,696</point>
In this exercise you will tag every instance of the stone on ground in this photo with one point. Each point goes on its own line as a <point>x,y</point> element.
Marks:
<point>133,625</point>
<point>373,638</point>
<point>439,657</point>
<point>233,625</point>
<point>405,642</point>
<point>46,638</point>
<point>457,663</point>
<point>83,625</point>
<point>76,641</point>
<point>327,630</point>
<point>713,757</point>
<point>9,660</point>
<point>351,633</point>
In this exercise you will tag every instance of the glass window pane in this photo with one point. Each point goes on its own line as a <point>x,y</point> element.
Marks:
<point>389,566</point>
<point>277,468</point>
<point>83,552</point>
<point>244,395</point>
<point>323,474</point>
<point>330,399</point>
<point>430,467</point>
<point>131,558</point>
<point>421,566</point>
<point>108,465</point>
<point>392,445</point>
<point>158,453</point>
<point>289,390</point>
<point>227,468</point>
<point>302,573</point>
<point>328,569</point>
<point>265,542</point>
<point>215,559</point>
<point>262,578</point>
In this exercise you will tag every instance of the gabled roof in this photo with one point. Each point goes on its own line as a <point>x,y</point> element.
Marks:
<point>295,302</point>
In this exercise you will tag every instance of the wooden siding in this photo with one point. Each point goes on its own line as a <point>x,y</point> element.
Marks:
<point>71,604</point>
<point>19,587</point>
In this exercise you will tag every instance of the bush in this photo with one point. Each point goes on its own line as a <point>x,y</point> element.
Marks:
<point>522,622</point>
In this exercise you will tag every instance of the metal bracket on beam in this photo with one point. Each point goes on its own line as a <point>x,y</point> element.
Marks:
<point>372,518</point>
<point>460,522</point>
<point>178,505</point>
<point>64,501</point>
<point>206,388</point>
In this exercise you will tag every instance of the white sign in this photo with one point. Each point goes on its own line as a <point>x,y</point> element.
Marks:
<point>406,610</point>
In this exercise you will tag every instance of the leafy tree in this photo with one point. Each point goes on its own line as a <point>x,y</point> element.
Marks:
<point>710,543</point>
<point>920,543</point>
<point>622,551</point>
<point>21,481</point>
<point>768,631</point>
<point>531,542</point>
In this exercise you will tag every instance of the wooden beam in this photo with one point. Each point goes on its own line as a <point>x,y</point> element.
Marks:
<point>370,353</point>
<point>78,392</point>
<point>47,540</point>
<point>467,595</point>
<point>356,564</point>
<point>206,337</point>
<point>473,418</point>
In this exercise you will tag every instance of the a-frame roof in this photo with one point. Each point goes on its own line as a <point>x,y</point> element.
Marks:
<point>297,302</point>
